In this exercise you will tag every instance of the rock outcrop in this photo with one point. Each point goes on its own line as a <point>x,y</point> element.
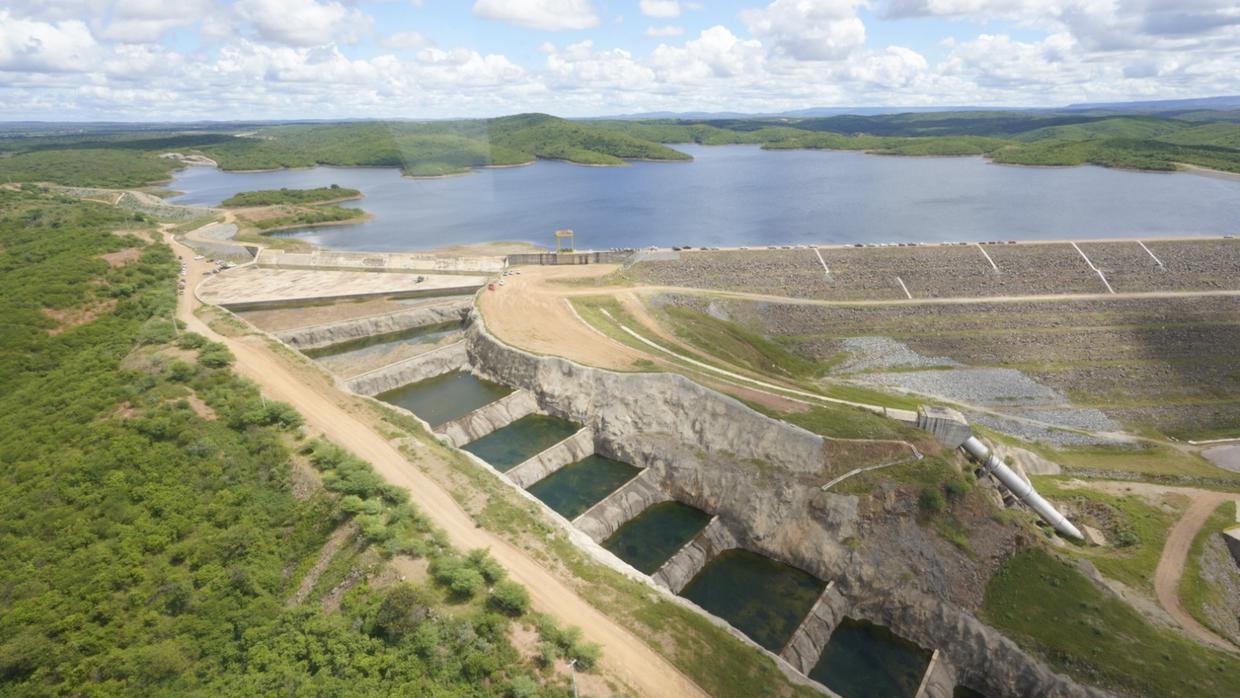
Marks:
<point>327,334</point>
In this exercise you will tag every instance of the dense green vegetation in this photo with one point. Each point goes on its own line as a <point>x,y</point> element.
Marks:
<point>419,149</point>
<point>310,215</point>
<point>1151,142</point>
<point>151,535</point>
<point>269,197</point>
<point>88,167</point>
<point>130,158</point>
<point>1047,605</point>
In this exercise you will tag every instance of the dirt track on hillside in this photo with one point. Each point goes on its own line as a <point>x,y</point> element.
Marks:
<point>624,655</point>
<point>1175,555</point>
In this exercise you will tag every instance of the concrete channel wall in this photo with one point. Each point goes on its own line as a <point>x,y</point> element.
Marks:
<point>489,418</point>
<point>452,357</point>
<point>805,647</point>
<point>570,450</point>
<point>621,506</point>
<point>682,567</point>
<point>760,479</point>
<point>379,261</point>
<point>327,334</point>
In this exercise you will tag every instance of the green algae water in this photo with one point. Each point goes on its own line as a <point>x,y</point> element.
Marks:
<point>518,442</point>
<point>446,397</point>
<point>380,343</point>
<point>652,537</point>
<point>762,598</point>
<point>863,659</point>
<point>576,487</point>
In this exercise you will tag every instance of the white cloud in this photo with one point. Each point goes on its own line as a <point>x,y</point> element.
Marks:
<point>663,9</point>
<point>145,21</point>
<point>31,46</point>
<point>405,40</point>
<point>548,15</point>
<point>665,31</point>
<point>304,22</point>
<point>808,30</point>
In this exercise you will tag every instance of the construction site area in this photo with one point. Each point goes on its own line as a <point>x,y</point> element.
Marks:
<point>836,454</point>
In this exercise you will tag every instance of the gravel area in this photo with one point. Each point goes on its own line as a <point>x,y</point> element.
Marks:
<point>988,387</point>
<point>869,353</point>
<point>1220,571</point>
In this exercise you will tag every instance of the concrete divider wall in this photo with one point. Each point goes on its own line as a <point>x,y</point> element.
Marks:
<point>689,560</point>
<point>570,450</point>
<point>379,261</point>
<point>489,418</point>
<point>621,506</point>
<point>327,334</point>
<point>805,647</point>
<point>453,357</point>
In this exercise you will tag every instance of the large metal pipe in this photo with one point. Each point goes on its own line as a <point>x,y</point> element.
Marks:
<point>1023,490</point>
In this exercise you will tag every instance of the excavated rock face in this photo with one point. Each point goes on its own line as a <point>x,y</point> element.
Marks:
<point>327,334</point>
<point>762,478</point>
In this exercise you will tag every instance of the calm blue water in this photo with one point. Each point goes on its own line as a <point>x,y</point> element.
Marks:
<point>741,195</point>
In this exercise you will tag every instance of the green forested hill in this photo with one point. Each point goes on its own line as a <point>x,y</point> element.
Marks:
<point>119,159</point>
<point>420,149</point>
<point>152,538</point>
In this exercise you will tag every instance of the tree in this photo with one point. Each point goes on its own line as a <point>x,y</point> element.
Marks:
<point>510,597</point>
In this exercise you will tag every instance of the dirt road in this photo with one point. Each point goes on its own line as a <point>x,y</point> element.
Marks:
<point>624,655</point>
<point>1175,554</point>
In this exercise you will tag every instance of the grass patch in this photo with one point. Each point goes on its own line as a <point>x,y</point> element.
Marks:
<point>1051,608</point>
<point>1135,529</point>
<point>1195,592</point>
<point>1145,461</point>
<point>736,344</point>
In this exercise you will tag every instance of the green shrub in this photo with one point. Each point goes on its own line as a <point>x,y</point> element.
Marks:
<point>457,575</point>
<point>956,488</point>
<point>931,500</point>
<point>191,340</point>
<point>486,565</point>
<point>510,598</point>
<point>214,355</point>
<point>181,372</point>
<point>401,611</point>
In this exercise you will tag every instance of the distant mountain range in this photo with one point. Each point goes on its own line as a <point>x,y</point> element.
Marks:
<point>1221,103</point>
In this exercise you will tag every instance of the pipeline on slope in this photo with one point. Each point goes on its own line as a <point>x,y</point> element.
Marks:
<point>1023,490</point>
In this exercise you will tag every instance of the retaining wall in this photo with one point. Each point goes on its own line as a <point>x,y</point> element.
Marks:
<point>682,567</point>
<point>621,506</point>
<point>327,334</point>
<point>453,357</point>
<point>379,261</point>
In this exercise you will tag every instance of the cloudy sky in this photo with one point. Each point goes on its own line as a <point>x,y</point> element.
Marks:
<point>181,59</point>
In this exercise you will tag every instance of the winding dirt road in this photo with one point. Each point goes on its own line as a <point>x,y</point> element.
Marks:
<point>1174,556</point>
<point>625,656</point>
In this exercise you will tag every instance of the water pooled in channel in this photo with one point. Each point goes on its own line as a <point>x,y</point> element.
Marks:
<point>383,343</point>
<point>863,659</point>
<point>762,598</point>
<point>576,487</point>
<point>518,442</point>
<point>652,537</point>
<point>446,397</point>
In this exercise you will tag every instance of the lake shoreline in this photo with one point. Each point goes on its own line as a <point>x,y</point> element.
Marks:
<point>739,196</point>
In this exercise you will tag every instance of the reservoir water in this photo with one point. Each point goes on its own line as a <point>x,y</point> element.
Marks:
<point>742,195</point>
<point>518,442</point>
<point>652,537</point>
<point>762,598</point>
<point>578,486</point>
<point>446,397</point>
<point>862,659</point>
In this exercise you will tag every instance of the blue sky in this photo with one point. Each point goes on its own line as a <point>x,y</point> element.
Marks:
<point>153,60</point>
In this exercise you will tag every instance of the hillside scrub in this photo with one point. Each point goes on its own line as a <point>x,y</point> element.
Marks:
<point>269,197</point>
<point>150,545</point>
